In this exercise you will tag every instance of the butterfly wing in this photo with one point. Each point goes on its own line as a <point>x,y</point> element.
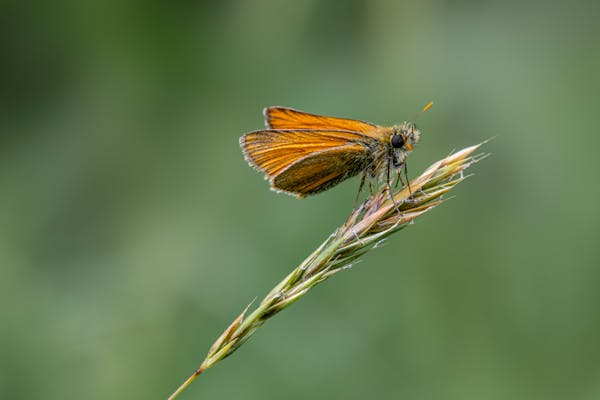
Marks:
<point>320,171</point>
<point>288,118</point>
<point>303,162</point>
<point>271,151</point>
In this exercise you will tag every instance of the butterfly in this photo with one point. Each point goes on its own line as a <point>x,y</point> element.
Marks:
<point>303,154</point>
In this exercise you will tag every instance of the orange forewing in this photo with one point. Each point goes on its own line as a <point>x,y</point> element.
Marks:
<point>272,151</point>
<point>288,118</point>
<point>321,170</point>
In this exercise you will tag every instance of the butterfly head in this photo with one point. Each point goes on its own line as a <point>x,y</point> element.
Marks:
<point>404,137</point>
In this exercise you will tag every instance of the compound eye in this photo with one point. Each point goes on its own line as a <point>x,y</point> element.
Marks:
<point>397,141</point>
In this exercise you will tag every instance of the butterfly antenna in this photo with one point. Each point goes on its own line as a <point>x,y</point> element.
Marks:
<point>426,108</point>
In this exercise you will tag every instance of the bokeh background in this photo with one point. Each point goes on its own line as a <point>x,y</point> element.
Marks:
<point>132,231</point>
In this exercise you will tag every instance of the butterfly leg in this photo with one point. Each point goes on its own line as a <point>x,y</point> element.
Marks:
<point>389,187</point>
<point>407,180</point>
<point>360,187</point>
<point>398,180</point>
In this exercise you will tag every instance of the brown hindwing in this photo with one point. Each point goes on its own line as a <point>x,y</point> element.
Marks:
<point>322,170</point>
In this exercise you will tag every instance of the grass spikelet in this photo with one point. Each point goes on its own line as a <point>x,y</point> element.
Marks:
<point>366,228</point>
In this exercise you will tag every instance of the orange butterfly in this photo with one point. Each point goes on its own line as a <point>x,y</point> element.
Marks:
<point>303,154</point>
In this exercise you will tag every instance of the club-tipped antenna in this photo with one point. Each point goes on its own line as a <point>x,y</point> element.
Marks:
<point>427,107</point>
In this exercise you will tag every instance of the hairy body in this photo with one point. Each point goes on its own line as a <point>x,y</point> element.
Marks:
<point>303,154</point>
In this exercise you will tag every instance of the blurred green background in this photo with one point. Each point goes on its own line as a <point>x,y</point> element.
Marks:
<point>132,231</point>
